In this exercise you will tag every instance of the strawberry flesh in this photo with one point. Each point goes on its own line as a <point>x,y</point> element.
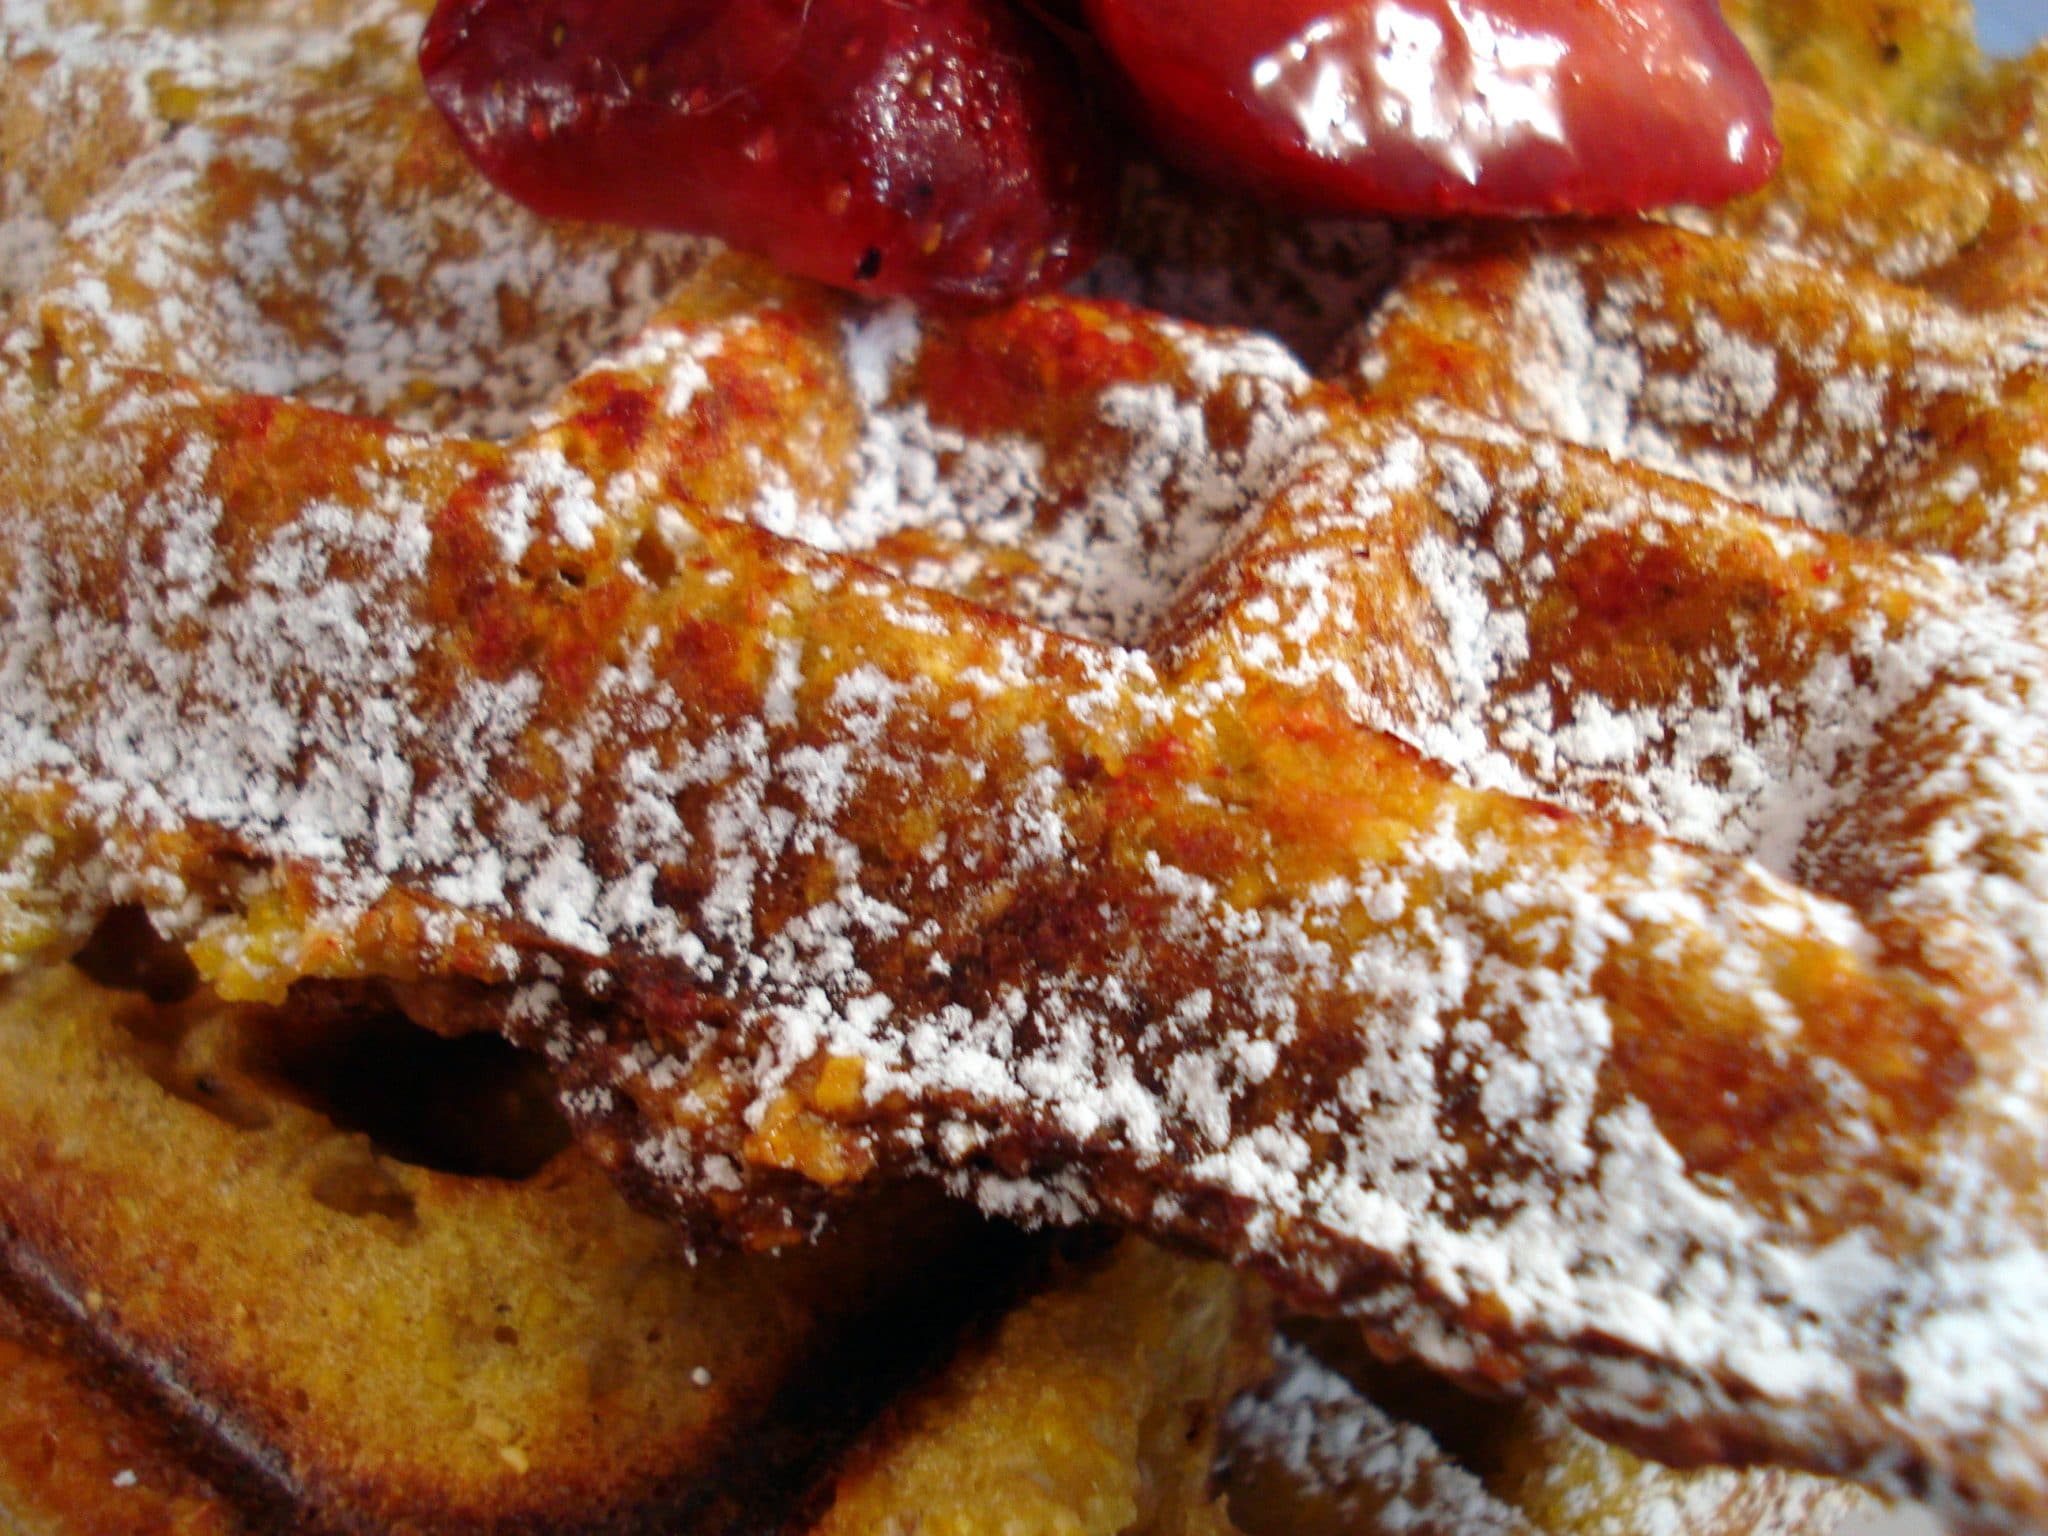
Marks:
<point>1428,108</point>
<point>939,148</point>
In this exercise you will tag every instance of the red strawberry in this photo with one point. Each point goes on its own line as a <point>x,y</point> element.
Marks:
<point>932,147</point>
<point>1431,107</point>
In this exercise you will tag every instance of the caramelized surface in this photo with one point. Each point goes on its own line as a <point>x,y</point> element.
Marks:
<point>190,1395</point>
<point>345,1339</point>
<point>380,1339</point>
<point>74,1457</point>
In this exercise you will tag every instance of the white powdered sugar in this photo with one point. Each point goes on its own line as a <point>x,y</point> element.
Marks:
<point>92,86</point>
<point>1762,742</point>
<point>1382,1473</point>
<point>1851,414</point>
<point>1354,1455</point>
<point>433,304</point>
<point>1107,563</point>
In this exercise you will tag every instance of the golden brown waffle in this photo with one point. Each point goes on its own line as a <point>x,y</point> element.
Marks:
<point>295,1325</point>
<point>1555,909</point>
<point>249,1315</point>
<point>338,1337</point>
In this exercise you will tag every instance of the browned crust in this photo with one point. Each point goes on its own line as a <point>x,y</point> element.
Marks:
<point>247,1366</point>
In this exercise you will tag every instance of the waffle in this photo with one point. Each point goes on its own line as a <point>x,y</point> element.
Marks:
<point>249,1312</point>
<point>1526,835</point>
<point>554,1362</point>
<point>449,1321</point>
<point>1315,1452</point>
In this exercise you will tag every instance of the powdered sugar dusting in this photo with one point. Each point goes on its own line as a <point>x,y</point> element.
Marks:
<point>1324,1437</point>
<point>1844,411</point>
<point>336,252</point>
<point>1559,1245</point>
<point>91,86</point>
<point>1107,562</point>
<point>1341,1451</point>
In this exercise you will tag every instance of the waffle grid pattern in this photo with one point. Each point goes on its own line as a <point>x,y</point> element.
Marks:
<point>1533,833</point>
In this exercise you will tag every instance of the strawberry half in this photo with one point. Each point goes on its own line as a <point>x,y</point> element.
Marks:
<point>941,148</point>
<point>1436,107</point>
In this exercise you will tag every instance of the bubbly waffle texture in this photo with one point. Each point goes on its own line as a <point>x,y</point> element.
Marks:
<point>1531,834</point>
<point>245,1314</point>
<point>355,1341</point>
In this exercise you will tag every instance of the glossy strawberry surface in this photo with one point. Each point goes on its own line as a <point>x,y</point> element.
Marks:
<point>942,148</point>
<point>1441,107</point>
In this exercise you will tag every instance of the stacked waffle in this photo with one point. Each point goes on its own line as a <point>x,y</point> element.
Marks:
<point>238,1310</point>
<point>1530,835</point>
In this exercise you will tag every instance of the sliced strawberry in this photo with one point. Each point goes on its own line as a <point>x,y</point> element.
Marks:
<point>941,148</point>
<point>1434,107</point>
